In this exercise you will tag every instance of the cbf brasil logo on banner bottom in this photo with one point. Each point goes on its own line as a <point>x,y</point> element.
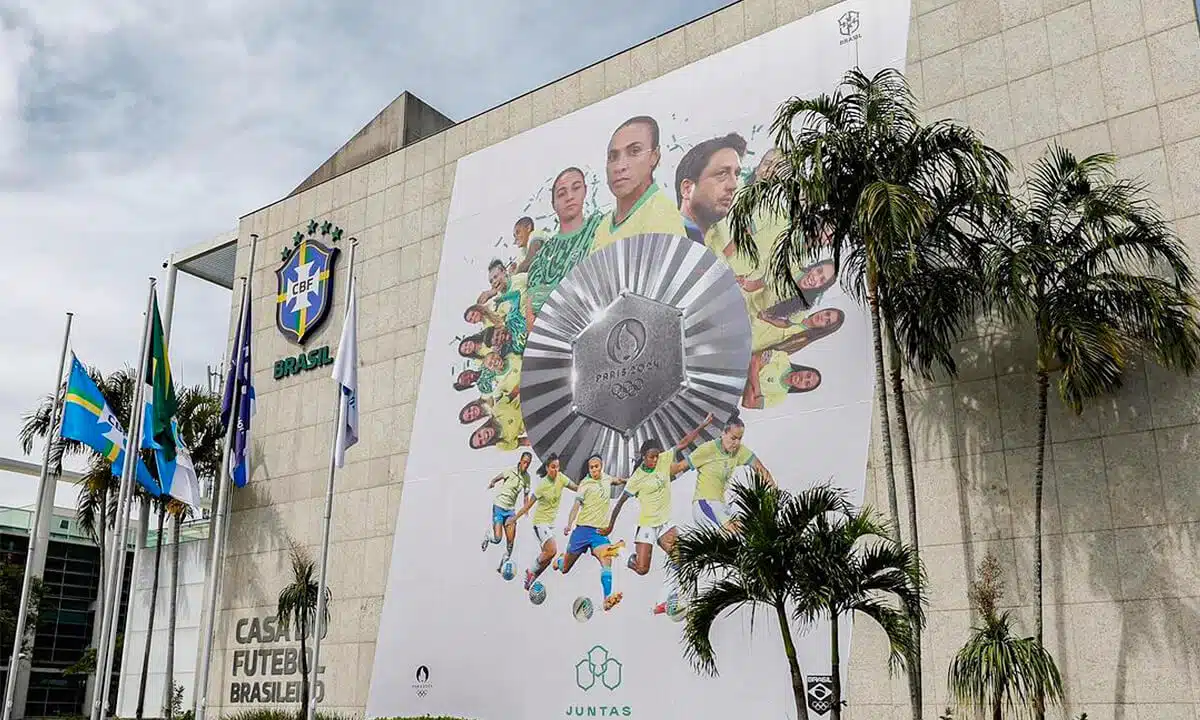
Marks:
<point>305,290</point>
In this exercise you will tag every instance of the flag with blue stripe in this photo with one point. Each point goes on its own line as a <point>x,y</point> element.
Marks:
<point>239,400</point>
<point>88,419</point>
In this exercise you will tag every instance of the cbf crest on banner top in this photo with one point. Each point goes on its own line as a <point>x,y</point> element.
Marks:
<point>305,281</point>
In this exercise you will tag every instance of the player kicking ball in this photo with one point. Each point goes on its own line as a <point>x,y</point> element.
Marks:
<point>650,483</point>
<point>544,502</point>
<point>591,511</point>
<point>507,487</point>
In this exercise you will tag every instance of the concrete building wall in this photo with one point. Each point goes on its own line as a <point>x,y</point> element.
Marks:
<point>1122,508</point>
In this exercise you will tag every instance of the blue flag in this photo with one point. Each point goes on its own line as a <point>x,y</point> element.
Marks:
<point>239,389</point>
<point>88,419</point>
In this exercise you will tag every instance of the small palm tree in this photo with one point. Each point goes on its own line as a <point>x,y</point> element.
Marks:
<point>898,201</point>
<point>297,608</point>
<point>1087,262</point>
<point>179,513</point>
<point>996,670</point>
<point>783,559</point>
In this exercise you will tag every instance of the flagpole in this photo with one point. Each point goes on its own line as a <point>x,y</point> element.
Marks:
<point>221,513</point>
<point>112,594</point>
<point>328,518</point>
<point>223,485</point>
<point>40,509</point>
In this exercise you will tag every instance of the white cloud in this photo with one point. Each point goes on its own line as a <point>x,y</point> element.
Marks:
<point>135,127</point>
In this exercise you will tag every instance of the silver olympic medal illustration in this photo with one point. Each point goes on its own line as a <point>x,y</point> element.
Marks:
<point>642,339</point>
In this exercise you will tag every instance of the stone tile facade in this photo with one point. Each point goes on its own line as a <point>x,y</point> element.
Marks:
<point>1122,503</point>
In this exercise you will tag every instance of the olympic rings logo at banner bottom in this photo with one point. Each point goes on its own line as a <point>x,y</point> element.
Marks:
<point>627,389</point>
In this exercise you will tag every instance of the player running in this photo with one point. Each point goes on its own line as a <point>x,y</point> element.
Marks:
<point>547,497</point>
<point>507,486</point>
<point>591,510</point>
<point>650,483</point>
<point>714,463</point>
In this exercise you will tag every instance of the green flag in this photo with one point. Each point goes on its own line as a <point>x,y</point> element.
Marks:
<point>163,403</point>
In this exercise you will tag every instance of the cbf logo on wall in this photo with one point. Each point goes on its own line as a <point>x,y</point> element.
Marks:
<point>306,281</point>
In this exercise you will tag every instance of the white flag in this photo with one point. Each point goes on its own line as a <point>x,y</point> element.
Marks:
<point>345,371</point>
<point>185,486</point>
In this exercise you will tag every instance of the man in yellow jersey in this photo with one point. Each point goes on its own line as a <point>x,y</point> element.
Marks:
<point>565,249</point>
<point>547,497</point>
<point>591,512</point>
<point>650,482</point>
<point>714,463</point>
<point>506,487</point>
<point>642,207</point>
<point>773,377</point>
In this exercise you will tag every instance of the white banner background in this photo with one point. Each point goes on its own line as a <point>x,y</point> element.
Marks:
<point>490,653</point>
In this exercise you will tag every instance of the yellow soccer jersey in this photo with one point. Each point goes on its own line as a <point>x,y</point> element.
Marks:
<point>512,482</point>
<point>594,496</point>
<point>507,415</point>
<point>713,467</point>
<point>772,378</point>
<point>652,213</point>
<point>549,495</point>
<point>653,491</point>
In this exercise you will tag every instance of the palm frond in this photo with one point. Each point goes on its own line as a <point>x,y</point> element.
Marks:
<point>713,601</point>
<point>995,664</point>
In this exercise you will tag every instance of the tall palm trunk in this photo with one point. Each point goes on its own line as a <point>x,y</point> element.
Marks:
<point>1043,383</point>
<point>799,693</point>
<point>915,691</point>
<point>141,701</point>
<point>885,430</point>
<point>92,684</point>
<point>172,609</point>
<point>303,670</point>
<point>835,669</point>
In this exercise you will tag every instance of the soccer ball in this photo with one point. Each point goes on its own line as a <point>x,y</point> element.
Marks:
<point>582,608</point>
<point>507,572</point>
<point>537,593</point>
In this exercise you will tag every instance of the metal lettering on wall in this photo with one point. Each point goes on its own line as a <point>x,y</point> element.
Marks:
<point>264,675</point>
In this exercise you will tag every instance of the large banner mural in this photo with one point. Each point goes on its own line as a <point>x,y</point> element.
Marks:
<point>601,368</point>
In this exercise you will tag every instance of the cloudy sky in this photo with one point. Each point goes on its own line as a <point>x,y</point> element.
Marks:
<point>129,128</point>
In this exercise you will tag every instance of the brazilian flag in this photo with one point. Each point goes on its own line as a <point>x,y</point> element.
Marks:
<point>163,404</point>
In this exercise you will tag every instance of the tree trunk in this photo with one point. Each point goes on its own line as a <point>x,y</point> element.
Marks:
<point>799,693</point>
<point>835,669</point>
<point>1043,382</point>
<point>141,701</point>
<point>915,692</point>
<point>997,703</point>
<point>172,618</point>
<point>303,672</point>
<point>885,430</point>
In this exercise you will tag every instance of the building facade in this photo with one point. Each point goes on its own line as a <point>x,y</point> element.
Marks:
<point>1122,516</point>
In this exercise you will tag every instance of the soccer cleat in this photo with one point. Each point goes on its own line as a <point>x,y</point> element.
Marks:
<point>659,609</point>
<point>609,551</point>
<point>487,540</point>
<point>611,601</point>
<point>558,563</point>
<point>529,578</point>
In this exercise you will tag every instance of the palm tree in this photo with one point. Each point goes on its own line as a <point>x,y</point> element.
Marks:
<point>297,609</point>
<point>199,420</point>
<point>179,512</point>
<point>897,198</point>
<point>995,669</point>
<point>1087,261</point>
<point>791,558</point>
<point>97,505</point>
